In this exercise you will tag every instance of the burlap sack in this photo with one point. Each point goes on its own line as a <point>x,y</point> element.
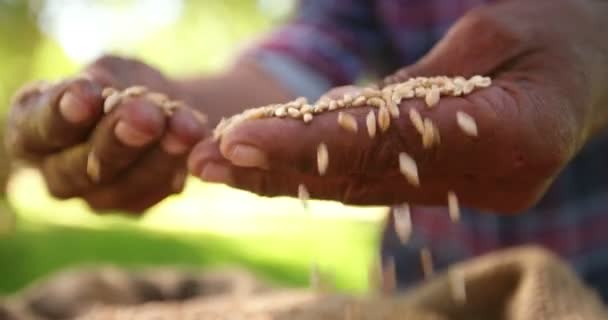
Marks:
<point>517,284</point>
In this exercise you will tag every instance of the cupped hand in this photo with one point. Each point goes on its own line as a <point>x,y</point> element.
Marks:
<point>547,99</point>
<point>137,151</point>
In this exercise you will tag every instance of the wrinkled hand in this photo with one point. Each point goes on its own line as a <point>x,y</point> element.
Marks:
<point>140,151</point>
<point>548,61</point>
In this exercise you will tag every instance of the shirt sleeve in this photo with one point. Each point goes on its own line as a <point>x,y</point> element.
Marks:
<point>328,43</point>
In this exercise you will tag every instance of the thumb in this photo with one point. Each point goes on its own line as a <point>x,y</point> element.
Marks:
<point>481,42</point>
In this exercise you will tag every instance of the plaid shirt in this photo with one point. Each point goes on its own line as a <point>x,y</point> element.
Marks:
<point>337,42</point>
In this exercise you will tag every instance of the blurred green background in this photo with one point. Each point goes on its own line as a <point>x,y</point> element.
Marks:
<point>208,225</point>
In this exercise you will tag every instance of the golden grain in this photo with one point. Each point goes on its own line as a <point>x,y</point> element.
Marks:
<point>384,119</point>
<point>322,158</point>
<point>453,206</point>
<point>307,117</point>
<point>106,92</point>
<point>347,122</point>
<point>111,102</point>
<point>428,134</point>
<point>370,121</point>
<point>403,222</point>
<point>466,123</point>
<point>359,101</point>
<point>409,169</point>
<point>293,112</point>
<point>93,167</point>
<point>432,97</point>
<point>280,112</point>
<point>416,120</point>
<point>135,91</point>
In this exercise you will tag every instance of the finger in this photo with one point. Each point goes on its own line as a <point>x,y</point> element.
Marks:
<point>75,171</point>
<point>120,138</point>
<point>60,116</point>
<point>155,176</point>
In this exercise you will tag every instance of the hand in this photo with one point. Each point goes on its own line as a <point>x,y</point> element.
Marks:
<point>139,152</point>
<point>548,61</point>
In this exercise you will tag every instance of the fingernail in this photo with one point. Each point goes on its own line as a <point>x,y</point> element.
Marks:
<point>73,109</point>
<point>248,156</point>
<point>131,136</point>
<point>213,172</point>
<point>173,145</point>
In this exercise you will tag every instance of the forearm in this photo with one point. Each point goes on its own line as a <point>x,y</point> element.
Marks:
<point>242,86</point>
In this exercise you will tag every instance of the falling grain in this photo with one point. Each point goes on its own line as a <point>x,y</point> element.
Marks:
<point>403,222</point>
<point>426,259</point>
<point>384,119</point>
<point>409,169</point>
<point>347,122</point>
<point>93,167</point>
<point>466,123</point>
<point>303,195</point>
<point>453,207</point>
<point>370,121</point>
<point>416,120</point>
<point>322,158</point>
<point>428,134</point>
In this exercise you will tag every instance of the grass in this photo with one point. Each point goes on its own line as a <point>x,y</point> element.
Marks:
<point>208,226</point>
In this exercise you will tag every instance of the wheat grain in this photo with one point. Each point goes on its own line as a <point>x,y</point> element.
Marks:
<point>333,105</point>
<point>307,117</point>
<point>157,98</point>
<point>93,167</point>
<point>466,123</point>
<point>135,91</point>
<point>480,81</point>
<point>428,134</point>
<point>376,102</point>
<point>384,119</point>
<point>453,207</point>
<point>322,158</point>
<point>303,195</point>
<point>111,102</point>
<point>416,120</point>
<point>280,112</point>
<point>370,121</point>
<point>432,97</point>
<point>409,169</point>
<point>403,222</point>
<point>359,101</point>
<point>293,112</point>
<point>347,122</point>
<point>426,260</point>
<point>106,92</point>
